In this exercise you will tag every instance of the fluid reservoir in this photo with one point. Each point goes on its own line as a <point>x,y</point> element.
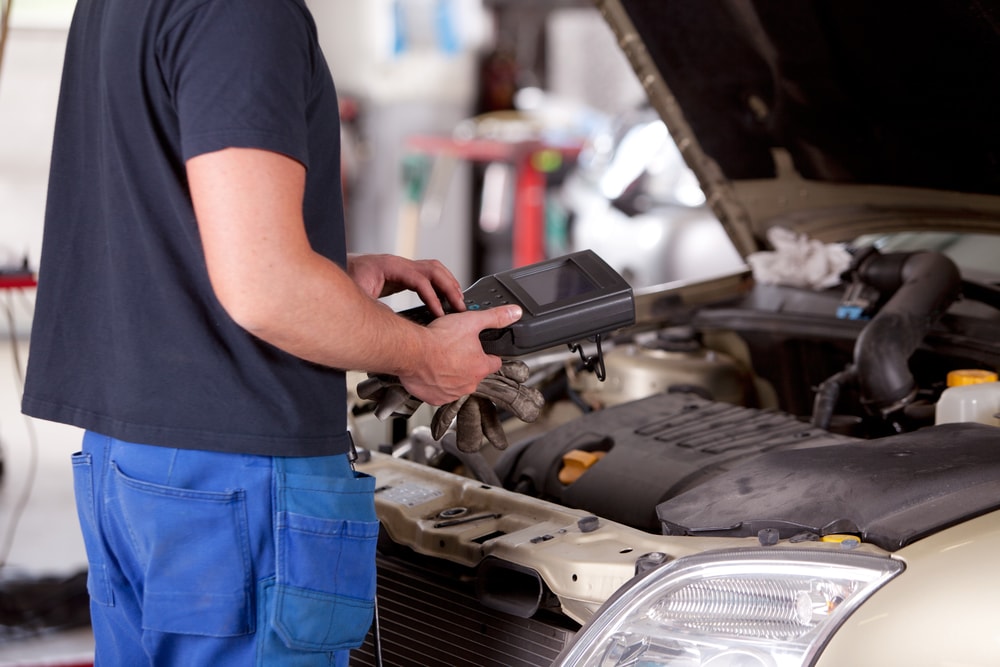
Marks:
<point>972,395</point>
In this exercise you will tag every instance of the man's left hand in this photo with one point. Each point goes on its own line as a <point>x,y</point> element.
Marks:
<point>382,275</point>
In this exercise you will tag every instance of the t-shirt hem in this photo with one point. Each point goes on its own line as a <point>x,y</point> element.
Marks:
<point>189,438</point>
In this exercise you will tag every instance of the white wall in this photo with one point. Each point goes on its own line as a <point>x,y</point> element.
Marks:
<point>434,63</point>
<point>598,75</point>
<point>427,87</point>
<point>29,87</point>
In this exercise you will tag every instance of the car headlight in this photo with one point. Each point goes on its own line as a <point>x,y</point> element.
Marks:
<point>741,608</point>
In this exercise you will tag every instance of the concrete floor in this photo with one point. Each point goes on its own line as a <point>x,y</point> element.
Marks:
<point>38,530</point>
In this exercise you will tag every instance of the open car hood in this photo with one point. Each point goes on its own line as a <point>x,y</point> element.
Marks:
<point>833,118</point>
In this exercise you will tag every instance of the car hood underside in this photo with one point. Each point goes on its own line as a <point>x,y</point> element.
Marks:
<point>791,113</point>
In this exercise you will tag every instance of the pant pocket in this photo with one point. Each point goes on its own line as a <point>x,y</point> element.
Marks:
<point>98,582</point>
<point>325,536</point>
<point>193,546</point>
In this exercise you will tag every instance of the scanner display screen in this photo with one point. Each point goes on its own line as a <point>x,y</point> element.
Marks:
<point>556,283</point>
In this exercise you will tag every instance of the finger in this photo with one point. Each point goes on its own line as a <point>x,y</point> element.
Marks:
<point>374,384</point>
<point>393,399</point>
<point>490,424</point>
<point>497,388</point>
<point>516,370</point>
<point>469,427</point>
<point>495,318</point>
<point>448,288</point>
<point>444,416</point>
<point>430,299</point>
<point>369,388</point>
<point>438,283</point>
<point>500,317</point>
<point>524,402</point>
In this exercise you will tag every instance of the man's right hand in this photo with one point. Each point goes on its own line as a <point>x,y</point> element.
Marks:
<point>454,362</point>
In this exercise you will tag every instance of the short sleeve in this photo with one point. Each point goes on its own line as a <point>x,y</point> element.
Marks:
<point>241,74</point>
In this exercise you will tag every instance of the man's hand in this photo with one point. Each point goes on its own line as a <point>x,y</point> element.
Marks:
<point>454,362</point>
<point>446,378</point>
<point>382,275</point>
<point>478,418</point>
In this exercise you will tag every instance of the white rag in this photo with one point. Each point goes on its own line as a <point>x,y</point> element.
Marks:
<point>799,261</point>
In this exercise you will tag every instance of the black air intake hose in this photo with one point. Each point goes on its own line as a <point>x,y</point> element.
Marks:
<point>923,285</point>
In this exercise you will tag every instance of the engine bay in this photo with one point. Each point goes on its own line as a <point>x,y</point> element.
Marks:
<point>730,411</point>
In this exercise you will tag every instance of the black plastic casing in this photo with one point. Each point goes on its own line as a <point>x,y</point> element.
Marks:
<point>566,299</point>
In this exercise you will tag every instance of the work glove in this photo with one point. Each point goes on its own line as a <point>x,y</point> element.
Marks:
<point>476,417</point>
<point>476,414</point>
<point>391,399</point>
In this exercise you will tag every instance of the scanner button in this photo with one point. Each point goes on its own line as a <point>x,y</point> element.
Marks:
<point>473,306</point>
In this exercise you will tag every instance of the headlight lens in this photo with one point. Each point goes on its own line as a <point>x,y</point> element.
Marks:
<point>742,608</point>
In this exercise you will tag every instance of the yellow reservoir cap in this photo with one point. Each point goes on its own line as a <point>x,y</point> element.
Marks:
<point>967,376</point>
<point>575,462</point>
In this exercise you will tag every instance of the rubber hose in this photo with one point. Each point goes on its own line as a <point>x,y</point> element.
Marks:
<point>924,284</point>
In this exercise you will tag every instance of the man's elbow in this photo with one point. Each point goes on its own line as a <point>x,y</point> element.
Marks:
<point>251,309</point>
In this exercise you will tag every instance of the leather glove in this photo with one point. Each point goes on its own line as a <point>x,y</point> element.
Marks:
<point>391,399</point>
<point>476,415</point>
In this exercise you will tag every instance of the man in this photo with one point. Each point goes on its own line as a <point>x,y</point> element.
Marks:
<point>195,308</point>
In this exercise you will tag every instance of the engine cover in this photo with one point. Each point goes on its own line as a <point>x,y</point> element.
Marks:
<point>890,491</point>
<point>654,449</point>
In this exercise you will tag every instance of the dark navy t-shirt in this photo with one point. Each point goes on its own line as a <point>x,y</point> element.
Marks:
<point>128,338</point>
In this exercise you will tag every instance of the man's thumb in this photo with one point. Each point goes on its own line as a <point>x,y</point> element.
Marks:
<point>504,316</point>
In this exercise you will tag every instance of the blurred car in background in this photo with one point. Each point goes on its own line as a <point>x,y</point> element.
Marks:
<point>631,194</point>
<point>778,470</point>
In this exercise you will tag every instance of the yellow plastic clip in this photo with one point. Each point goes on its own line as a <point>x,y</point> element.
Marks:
<point>575,463</point>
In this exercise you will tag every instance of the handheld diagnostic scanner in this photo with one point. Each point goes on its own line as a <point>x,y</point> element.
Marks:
<point>566,299</point>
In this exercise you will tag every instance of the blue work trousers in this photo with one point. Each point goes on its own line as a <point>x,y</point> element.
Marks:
<point>211,559</point>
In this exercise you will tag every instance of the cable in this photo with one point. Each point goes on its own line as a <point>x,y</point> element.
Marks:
<point>22,500</point>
